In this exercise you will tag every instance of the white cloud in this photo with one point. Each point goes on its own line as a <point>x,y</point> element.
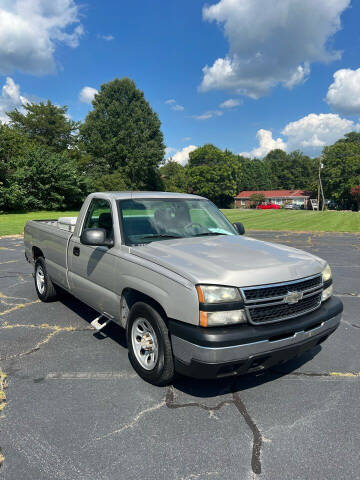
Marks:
<point>87,94</point>
<point>10,98</point>
<point>169,151</point>
<point>181,156</point>
<point>231,103</point>
<point>186,139</point>
<point>177,108</point>
<point>30,30</point>
<point>107,38</point>
<point>174,106</point>
<point>208,114</point>
<point>299,76</point>
<point>313,132</point>
<point>266,144</point>
<point>271,42</point>
<point>309,134</point>
<point>343,95</point>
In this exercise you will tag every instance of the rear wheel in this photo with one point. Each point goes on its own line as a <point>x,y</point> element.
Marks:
<point>45,289</point>
<point>149,345</point>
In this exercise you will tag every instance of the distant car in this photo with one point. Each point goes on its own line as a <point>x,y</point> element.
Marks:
<point>292,206</point>
<point>268,206</point>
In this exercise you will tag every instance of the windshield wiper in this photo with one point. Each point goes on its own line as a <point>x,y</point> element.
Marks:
<point>160,235</point>
<point>208,233</point>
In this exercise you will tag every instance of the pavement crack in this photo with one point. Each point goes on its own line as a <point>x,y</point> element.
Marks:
<point>349,323</point>
<point>239,404</point>
<point>54,330</point>
<point>170,402</point>
<point>12,303</point>
<point>134,421</point>
<point>194,476</point>
<point>3,385</point>
<point>318,374</point>
<point>18,306</point>
<point>351,294</point>
<point>85,376</point>
<point>257,437</point>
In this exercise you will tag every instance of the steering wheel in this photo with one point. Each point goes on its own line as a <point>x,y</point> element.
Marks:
<point>191,225</point>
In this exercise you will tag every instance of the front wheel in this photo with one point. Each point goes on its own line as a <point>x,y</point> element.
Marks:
<point>149,345</point>
<point>45,289</point>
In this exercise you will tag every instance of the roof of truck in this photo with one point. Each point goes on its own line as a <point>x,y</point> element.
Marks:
<point>138,194</point>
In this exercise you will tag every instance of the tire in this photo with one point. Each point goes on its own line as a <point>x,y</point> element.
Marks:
<point>45,290</point>
<point>144,320</point>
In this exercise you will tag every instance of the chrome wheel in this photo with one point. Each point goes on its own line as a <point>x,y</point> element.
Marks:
<point>40,280</point>
<point>144,343</point>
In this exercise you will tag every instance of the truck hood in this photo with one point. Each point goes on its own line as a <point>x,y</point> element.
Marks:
<point>230,260</point>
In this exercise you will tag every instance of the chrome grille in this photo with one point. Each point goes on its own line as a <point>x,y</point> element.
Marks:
<point>279,289</point>
<point>269,303</point>
<point>278,312</point>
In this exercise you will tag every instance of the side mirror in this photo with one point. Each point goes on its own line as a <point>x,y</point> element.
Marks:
<point>95,237</point>
<point>239,227</point>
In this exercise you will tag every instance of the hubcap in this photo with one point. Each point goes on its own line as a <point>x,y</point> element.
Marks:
<point>40,280</point>
<point>145,343</point>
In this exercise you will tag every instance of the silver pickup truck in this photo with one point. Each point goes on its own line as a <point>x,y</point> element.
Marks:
<point>194,295</point>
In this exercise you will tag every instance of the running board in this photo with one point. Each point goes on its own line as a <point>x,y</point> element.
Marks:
<point>97,325</point>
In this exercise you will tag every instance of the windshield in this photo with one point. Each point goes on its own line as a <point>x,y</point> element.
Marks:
<point>150,220</point>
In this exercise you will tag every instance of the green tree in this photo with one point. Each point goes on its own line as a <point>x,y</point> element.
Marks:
<point>208,154</point>
<point>290,171</point>
<point>42,179</point>
<point>254,174</point>
<point>12,144</point>
<point>46,124</point>
<point>342,169</point>
<point>122,132</point>
<point>114,182</point>
<point>257,199</point>
<point>216,182</point>
<point>355,194</point>
<point>174,177</point>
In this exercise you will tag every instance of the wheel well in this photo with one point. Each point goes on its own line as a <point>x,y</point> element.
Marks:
<point>37,253</point>
<point>133,296</point>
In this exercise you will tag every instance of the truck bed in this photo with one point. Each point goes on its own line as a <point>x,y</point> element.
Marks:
<point>48,237</point>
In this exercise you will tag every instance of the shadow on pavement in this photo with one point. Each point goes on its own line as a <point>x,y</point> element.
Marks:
<point>214,388</point>
<point>195,387</point>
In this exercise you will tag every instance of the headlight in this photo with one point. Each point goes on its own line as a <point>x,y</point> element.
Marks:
<point>327,293</point>
<point>213,295</point>
<point>326,273</point>
<point>327,280</point>
<point>231,317</point>
<point>217,294</point>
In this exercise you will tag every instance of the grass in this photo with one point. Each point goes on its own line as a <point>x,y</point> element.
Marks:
<point>13,223</point>
<point>300,220</point>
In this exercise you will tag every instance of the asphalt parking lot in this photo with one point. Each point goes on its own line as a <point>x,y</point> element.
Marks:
<point>71,407</point>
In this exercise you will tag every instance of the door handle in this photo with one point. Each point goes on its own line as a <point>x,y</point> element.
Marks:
<point>76,251</point>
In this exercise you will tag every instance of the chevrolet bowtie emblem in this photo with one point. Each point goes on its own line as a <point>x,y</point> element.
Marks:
<point>293,297</point>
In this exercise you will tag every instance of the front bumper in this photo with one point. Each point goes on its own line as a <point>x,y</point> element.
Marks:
<point>221,352</point>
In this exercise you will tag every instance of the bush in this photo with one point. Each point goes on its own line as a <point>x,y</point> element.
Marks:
<point>41,179</point>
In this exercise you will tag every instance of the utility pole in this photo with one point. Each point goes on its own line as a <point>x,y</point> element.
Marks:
<point>320,187</point>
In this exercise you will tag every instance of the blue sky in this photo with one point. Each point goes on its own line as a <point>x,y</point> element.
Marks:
<point>275,59</point>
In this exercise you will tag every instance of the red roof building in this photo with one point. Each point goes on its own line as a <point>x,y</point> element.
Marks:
<point>279,197</point>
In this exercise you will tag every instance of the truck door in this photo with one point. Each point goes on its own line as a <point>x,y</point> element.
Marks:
<point>91,268</point>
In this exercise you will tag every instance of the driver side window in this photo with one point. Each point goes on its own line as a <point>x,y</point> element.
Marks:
<point>99,216</point>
